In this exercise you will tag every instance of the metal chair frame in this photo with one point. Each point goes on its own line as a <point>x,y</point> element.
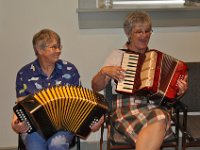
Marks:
<point>190,104</point>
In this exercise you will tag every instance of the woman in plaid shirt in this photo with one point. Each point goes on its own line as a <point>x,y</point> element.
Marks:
<point>143,123</point>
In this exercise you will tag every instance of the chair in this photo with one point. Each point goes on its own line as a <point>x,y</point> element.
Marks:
<point>76,141</point>
<point>21,145</point>
<point>191,104</point>
<point>117,141</point>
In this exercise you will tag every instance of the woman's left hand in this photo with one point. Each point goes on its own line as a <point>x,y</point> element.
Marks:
<point>97,125</point>
<point>183,85</point>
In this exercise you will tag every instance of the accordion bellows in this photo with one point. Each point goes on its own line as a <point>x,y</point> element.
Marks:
<point>70,108</point>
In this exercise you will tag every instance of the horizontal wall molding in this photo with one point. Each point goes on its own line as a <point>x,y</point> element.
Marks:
<point>94,18</point>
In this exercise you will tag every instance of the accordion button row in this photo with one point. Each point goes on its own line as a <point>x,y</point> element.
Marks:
<point>22,117</point>
<point>93,122</point>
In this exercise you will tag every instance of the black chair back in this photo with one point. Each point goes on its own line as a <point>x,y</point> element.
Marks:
<point>191,98</point>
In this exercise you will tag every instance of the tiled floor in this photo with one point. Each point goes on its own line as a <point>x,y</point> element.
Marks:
<point>95,146</point>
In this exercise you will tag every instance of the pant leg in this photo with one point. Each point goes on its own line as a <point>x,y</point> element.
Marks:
<point>34,141</point>
<point>60,140</point>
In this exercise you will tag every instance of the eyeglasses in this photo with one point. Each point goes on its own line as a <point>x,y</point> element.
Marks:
<point>140,32</point>
<point>55,47</point>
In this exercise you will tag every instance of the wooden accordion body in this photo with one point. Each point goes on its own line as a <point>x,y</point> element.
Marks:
<point>156,74</point>
<point>70,108</point>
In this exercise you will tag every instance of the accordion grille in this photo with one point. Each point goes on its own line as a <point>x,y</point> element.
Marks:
<point>67,106</point>
<point>168,67</point>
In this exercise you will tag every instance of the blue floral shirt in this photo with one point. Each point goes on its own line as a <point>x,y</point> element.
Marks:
<point>30,78</point>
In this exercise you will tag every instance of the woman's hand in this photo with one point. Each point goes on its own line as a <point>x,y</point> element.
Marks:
<point>183,85</point>
<point>97,125</point>
<point>114,72</point>
<point>17,126</point>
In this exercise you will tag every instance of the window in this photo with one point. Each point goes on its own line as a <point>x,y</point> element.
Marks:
<point>148,3</point>
<point>142,2</point>
<point>165,13</point>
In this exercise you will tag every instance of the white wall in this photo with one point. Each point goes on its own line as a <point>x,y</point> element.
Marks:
<point>87,49</point>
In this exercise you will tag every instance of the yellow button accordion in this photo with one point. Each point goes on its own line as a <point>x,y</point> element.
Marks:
<point>70,108</point>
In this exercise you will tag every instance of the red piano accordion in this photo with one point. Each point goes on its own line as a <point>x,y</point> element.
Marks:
<point>153,73</point>
<point>70,108</point>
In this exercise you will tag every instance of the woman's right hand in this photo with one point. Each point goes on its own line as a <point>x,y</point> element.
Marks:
<point>17,126</point>
<point>114,72</point>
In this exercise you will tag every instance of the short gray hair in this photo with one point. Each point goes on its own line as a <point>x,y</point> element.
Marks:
<point>44,37</point>
<point>134,18</point>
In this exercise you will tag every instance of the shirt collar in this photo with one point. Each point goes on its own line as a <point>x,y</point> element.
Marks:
<point>38,70</point>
